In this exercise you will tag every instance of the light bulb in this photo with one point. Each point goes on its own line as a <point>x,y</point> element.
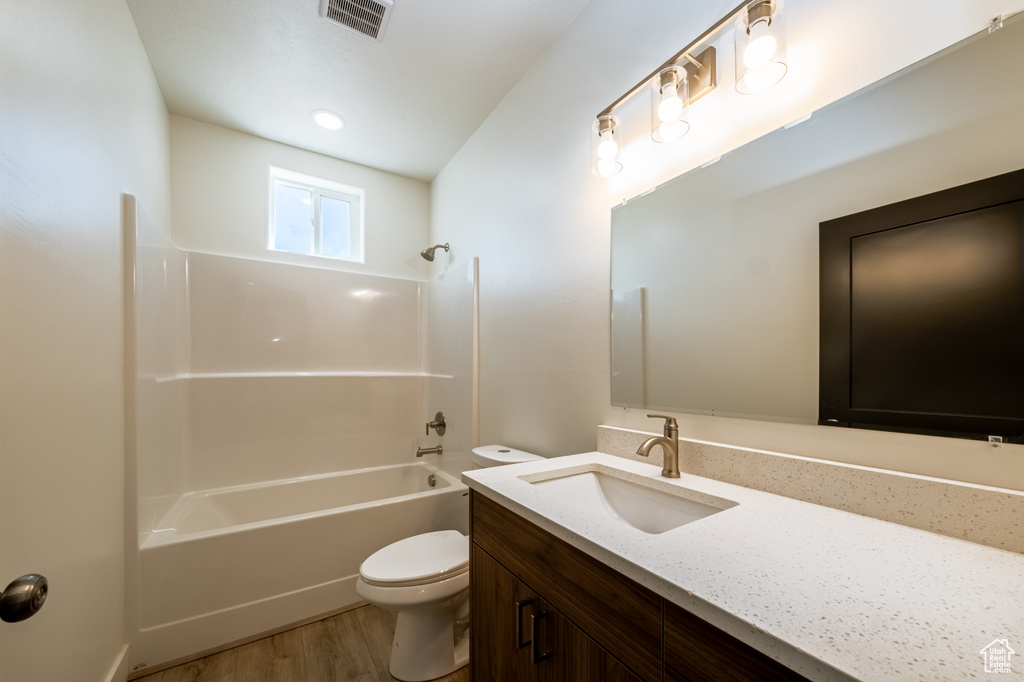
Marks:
<point>608,148</point>
<point>671,106</point>
<point>762,45</point>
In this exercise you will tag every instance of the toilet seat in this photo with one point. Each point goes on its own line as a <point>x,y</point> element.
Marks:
<point>418,560</point>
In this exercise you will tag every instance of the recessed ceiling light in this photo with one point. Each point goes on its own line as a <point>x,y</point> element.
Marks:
<point>327,119</point>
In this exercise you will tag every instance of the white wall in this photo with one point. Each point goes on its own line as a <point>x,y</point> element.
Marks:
<point>220,185</point>
<point>81,121</point>
<point>522,197</point>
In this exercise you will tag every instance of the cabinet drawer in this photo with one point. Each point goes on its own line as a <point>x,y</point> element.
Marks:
<point>620,615</point>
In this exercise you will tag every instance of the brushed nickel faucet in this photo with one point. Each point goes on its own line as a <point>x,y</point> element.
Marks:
<point>439,424</point>
<point>669,446</point>
<point>429,451</point>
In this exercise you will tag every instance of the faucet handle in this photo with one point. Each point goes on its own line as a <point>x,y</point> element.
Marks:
<point>439,424</point>
<point>670,422</point>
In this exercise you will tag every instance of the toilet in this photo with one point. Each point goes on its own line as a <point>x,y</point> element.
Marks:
<point>425,578</point>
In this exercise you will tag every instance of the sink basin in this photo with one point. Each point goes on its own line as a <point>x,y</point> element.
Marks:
<point>646,504</point>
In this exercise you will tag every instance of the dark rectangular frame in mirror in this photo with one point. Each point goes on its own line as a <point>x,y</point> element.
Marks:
<point>922,314</point>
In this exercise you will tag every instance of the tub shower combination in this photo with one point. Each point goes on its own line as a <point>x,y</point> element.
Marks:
<point>277,410</point>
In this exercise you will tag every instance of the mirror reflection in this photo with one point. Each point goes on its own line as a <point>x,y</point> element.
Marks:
<point>715,274</point>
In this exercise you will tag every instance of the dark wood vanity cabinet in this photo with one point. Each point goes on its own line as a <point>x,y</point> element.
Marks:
<point>569,655</point>
<point>544,611</point>
<point>527,638</point>
<point>585,622</point>
<point>698,652</point>
<point>503,605</point>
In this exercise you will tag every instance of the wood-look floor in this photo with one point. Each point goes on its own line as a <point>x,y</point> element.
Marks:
<point>354,646</point>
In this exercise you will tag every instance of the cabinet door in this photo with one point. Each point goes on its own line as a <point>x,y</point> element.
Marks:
<point>500,627</point>
<point>619,614</point>
<point>568,655</point>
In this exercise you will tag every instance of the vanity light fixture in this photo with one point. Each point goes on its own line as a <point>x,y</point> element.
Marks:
<point>327,119</point>
<point>689,75</point>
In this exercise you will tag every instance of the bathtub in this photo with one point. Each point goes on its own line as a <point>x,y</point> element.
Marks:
<point>227,564</point>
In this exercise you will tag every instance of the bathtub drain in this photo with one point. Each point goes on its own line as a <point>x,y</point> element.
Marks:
<point>431,480</point>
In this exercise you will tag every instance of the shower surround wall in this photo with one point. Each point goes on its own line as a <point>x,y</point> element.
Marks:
<point>276,385</point>
<point>251,371</point>
<point>161,353</point>
<point>256,371</point>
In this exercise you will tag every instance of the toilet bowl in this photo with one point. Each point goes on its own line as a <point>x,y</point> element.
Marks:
<point>425,578</point>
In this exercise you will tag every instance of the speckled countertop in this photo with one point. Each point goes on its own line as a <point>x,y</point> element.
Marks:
<point>830,594</point>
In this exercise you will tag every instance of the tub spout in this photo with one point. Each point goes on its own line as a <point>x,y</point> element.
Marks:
<point>429,451</point>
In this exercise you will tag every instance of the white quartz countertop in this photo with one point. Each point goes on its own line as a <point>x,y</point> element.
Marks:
<point>830,594</point>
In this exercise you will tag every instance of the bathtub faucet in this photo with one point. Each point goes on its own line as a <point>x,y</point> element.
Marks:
<point>429,451</point>
<point>439,424</point>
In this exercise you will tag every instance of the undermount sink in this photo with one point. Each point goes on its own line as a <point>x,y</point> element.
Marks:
<point>649,505</point>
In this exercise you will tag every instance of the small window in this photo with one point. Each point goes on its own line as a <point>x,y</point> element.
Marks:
<point>315,217</point>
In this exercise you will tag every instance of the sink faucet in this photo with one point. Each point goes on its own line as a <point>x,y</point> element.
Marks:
<point>669,446</point>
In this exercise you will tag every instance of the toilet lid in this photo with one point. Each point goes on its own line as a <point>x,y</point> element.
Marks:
<point>418,560</point>
<point>497,455</point>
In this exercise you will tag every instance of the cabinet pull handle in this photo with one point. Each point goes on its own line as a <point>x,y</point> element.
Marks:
<point>519,623</point>
<point>535,651</point>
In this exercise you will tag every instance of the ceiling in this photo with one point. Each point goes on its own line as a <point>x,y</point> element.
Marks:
<point>409,102</point>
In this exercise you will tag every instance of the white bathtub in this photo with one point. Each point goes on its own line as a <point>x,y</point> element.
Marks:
<point>226,564</point>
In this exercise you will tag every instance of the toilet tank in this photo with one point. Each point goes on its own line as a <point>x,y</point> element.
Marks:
<point>498,455</point>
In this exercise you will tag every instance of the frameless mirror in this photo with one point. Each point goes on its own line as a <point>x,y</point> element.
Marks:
<point>715,274</point>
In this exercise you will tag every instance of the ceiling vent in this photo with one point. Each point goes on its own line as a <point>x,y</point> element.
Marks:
<point>366,17</point>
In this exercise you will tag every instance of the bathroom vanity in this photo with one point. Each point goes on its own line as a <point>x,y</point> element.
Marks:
<point>544,610</point>
<point>761,587</point>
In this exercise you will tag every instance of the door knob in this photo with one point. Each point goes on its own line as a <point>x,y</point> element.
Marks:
<point>23,598</point>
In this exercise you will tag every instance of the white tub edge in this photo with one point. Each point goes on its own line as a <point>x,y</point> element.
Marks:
<point>161,538</point>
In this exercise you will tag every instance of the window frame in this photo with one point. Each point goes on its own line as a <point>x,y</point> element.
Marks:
<point>319,188</point>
